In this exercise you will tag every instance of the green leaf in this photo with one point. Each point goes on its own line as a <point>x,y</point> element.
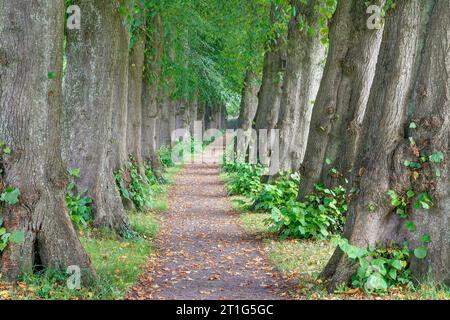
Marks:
<point>412,125</point>
<point>425,238</point>
<point>10,196</point>
<point>393,274</point>
<point>420,252</point>
<point>437,157</point>
<point>410,194</point>
<point>51,75</point>
<point>75,172</point>
<point>17,237</point>
<point>397,264</point>
<point>328,161</point>
<point>7,150</point>
<point>410,226</point>
<point>376,282</point>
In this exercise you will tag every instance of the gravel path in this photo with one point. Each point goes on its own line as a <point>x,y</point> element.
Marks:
<point>202,252</point>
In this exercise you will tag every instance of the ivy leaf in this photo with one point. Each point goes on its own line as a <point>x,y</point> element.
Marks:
<point>410,226</point>
<point>328,161</point>
<point>412,125</point>
<point>7,150</point>
<point>420,252</point>
<point>51,75</point>
<point>437,157</point>
<point>10,196</point>
<point>17,237</point>
<point>75,172</point>
<point>425,238</point>
<point>410,194</point>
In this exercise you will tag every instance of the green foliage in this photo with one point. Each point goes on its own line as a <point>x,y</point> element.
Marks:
<point>379,268</point>
<point>424,201</point>
<point>10,196</point>
<point>16,236</point>
<point>399,202</point>
<point>244,178</point>
<point>79,205</point>
<point>140,191</point>
<point>319,216</point>
<point>437,157</point>
<point>278,193</point>
<point>165,155</point>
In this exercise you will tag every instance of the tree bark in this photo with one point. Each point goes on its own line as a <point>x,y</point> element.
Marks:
<point>342,98</point>
<point>93,55</point>
<point>269,96</point>
<point>134,126</point>
<point>249,100</point>
<point>166,111</point>
<point>118,155</point>
<point>411,84</point>
<point>30,124</point>
<point>305,55</point>
<point>150,91</point>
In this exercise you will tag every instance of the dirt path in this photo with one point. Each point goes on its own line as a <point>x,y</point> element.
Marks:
<point>202,251</point>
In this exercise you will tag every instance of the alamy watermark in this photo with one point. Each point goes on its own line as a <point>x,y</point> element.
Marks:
<point>374,20</point>
<point>74,19</point>
<point>240,145</point>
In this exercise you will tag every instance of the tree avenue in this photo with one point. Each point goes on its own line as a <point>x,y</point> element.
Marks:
<point>93,95</point>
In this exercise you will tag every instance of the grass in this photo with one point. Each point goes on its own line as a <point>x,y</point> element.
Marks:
<point>303,260</point>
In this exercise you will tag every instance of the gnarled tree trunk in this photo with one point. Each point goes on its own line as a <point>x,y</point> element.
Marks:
<point>414,57</point>
<point>305,55</point>
<point>93,58</point>
<point>30,124</point>
<point>342,98</point>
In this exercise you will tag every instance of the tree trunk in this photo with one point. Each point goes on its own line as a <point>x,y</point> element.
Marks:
<point>93,58</point>
<point>118,155</point>
<point>249,103</point>
<point>414,57</point>
<point>249,100</point>
<point>30,124</point>
<point>150,92</point>
<point>342,98</point>
<point>305,55</point>
<point>193,109</point>
<point>269,95</point>
<point>165,112</point>
<point>134,128</point>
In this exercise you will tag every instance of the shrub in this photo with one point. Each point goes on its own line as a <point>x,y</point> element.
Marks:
<point>321,214</point>
<point>277,194</point>
<point>165,155</point>
<point>244,178</point>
